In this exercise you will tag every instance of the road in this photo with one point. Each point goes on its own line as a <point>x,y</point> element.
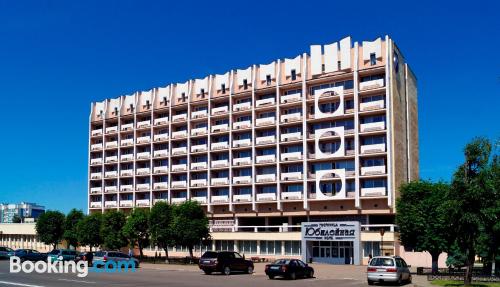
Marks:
<point>152,275</point>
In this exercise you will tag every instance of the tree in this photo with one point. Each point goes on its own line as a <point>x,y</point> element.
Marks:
<point>190,225</point>
<point>161,226</point>
<point>50,227</point>
<point>89,230</point>
<point>16,219</point>
<point>421,217</point>
<point>136,228</point>
<point>112,229</point>
<point>70,223</point>
<point>470,197</point>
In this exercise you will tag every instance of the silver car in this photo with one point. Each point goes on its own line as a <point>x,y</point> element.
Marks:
<point>388,269</point>
<point>101,258</point>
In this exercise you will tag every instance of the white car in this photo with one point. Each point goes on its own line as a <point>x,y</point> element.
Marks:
<point>388,269</point>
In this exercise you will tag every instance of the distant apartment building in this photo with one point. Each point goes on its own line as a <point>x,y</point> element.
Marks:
<point>23,210</point>
<point>297,157</point>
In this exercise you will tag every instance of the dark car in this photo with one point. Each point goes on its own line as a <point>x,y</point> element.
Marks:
<point>86,256</point>
<point>5,252</point>
<point>100,258</point>
<point>62,255</point>
<point>225,262</point>
<point>289,268</point>
<point>30,255</point>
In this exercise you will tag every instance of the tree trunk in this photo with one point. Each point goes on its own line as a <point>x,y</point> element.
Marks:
<point>191,254</point>
<point>90,248</point>
<point>435,258</point>
<point>55,245</point>
<point>140,249</point>
<point>469,263</point>
<point>166,254</point>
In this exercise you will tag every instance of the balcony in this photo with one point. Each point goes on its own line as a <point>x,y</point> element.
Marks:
<point>290,98</point>
<point>199,131</point>
<point>270,158</point>
<point>264,102</point>
<point>159,200</point>
<point>199,165</point>
<point>242,161</point>
<point>290,117</point>
<point>126,187</point>
<point>220,145</point>
<point>291,175</point>
<point>291,136</point>
<point>161,121</point>
<point>179,150</point>
<point>95,175</point>
<point>127,142</point>
<point>144,124</point>
<point>265,121</point>
<point>110,188</point>
<point>198,182</point>
<point>178,199</point>
<point>95,204</point>
<point>142,202</point>
<point>220,128</point>
<point>242,107</point>
<point>266,177</point>
<point>113,158</point>
<point>160,185</point>
<point>126,203</point>
<point>160,153</point>
<point>220,163</point>
<point>200,199</point>
<point>143,155</point>
<point>179,118</point>
<point>242,197</point>
<point>373,170</point>
<point>97,146</point>
<point>113,144</point>
<point>127,157</point>
<point>373,191</point>
<point>143,171</point>
<point>242,143</point>
<point>265,140</point>
<point>95,190</point>
<point>291,195</point>
<point>179,167</point>
<point>126,172</point>
<point>291,156</point>
<point>110,203</point>
<point>96,161</point>
<point>370,127</point>
<point>160,169</point>
<point>109,174</point>
<point>220,181</point>
<point>242,179</point>
<point>161,137</point>
<point>266,196</point>
<point>242,125</point>
<point>199,114</point>
<point>97,132</point>
<point>220,110</point>
<point>145,139</point>
<point>179,184</point>
<point>370,106</point>
<point>373,148</point>
<point>373,84</point>
<point>142,186</point>
<point>220,198</point>
<point>110,130</point>
<point>179,134</point>
<point>199,148</point>
<point>127,127</point>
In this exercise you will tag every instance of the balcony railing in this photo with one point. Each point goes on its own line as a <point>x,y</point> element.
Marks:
<point>242,197</point>
<point>242,106</point>
<point>96,175</point>
<point>95,204</point>
<point>291,195</point>
<point>198,182</point>
<point>242,143</point>
<point>179,118</point>
<point>265,140</point>
<point>111,188</point>
<point>220,128</point>
<point>199,114</point>
<point>127,142</point>
<point>145,139</point>
<point>144,124</point>
<point>270,158</point>
<point>179,167</point>
<point>113,158</point>
<point>290,98</point>
<point>110,203</point>
<point>160,169</point>
<point>143,171</point>
<point>290,117</point>
<point>373,105</point>
<point>369,127</point>
<point>179,184</point>
<point>291,136</point>
<point>242,161</point>
<point>199,148</point>
<point>161,121</point>
<point>264,102</point>
<point>220,198</point>
<point>113,129</point>
<point>373,170</point>
<point>220,110</point>
<point>127,127</point>
<point>126,187</point>
<point>199,131</point>
<point>266,177</point>
<point>160,185</point>
<point>161,137</point>
<point>373,148</point>
<point>242,125</point>
<point>97,146</point>
<point>143,155</point>
<point>179,134</point>
<point>126,203</point>
<point>97,132</point>
<point>200,199</point>
<point>179,150</point>
<point>126,157</point>
<point>160,153</point>
<point>266,196</point>
<point>142,186</point>
<point>95,190</point>
<point>220,181</point>
<point>109,174</point>
<point>220,145</point>
<point>242,179</point>
<point>291,175</point>
<point>126,172</point>
<point>373,84</point>
<point>142,202</point>
<point>199,165</point>
<point>178,199</point>
<point>96,161</point>
<point>373,191</point>
<point>220,163</point>
<point>291,156</point>
<point>265,121</point>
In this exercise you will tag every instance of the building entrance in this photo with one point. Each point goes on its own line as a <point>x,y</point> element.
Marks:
<point>333,252</point>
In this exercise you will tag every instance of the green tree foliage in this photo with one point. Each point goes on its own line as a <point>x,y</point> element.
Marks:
<point>50,227</point>
<point>161,225</point>
<point>421,216</point>
<point>70,222</point>
<point>89,230</point>
<point>136,228</point>
<point>16,219</point>
<point>112,230</point>
<point>190,225</point>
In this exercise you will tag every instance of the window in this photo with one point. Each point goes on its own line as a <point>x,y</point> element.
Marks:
<point>339,65</point>
<point>292,247</point>
<point>268,80</point>
<point>371,248</point>
<point>247,246</point>
<point>373,59</point>
<point>223,88</point>
<point>294,75</point>
<point>245,84</point>
<point>183,97</point>
<point>202,92</point>
<point>270,247</point>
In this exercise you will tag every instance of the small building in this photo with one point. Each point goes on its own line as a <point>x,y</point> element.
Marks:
<point>8,211</point>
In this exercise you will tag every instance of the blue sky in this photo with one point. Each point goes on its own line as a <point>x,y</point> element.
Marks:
<point>56,57</point>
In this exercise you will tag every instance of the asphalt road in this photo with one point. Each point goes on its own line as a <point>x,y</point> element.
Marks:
<point>147,276</point>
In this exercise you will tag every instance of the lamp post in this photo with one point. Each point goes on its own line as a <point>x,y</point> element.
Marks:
<point>382,232</point>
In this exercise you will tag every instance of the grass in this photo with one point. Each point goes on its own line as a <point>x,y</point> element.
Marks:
<point>453,283</point>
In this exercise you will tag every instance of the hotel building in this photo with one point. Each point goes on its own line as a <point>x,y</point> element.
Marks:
<point>327,137</point>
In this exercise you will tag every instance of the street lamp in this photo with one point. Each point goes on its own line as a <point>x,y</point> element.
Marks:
<point>382,232</point>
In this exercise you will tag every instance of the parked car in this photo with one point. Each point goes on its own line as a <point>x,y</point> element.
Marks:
<point>86,256</point>
<point>62,255</point>
<point>30,255</point>
<point>388,269</point>
<point>225,262</point>
<point>101,257</point>
<point>289,268</point>
<point>6,252</point>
